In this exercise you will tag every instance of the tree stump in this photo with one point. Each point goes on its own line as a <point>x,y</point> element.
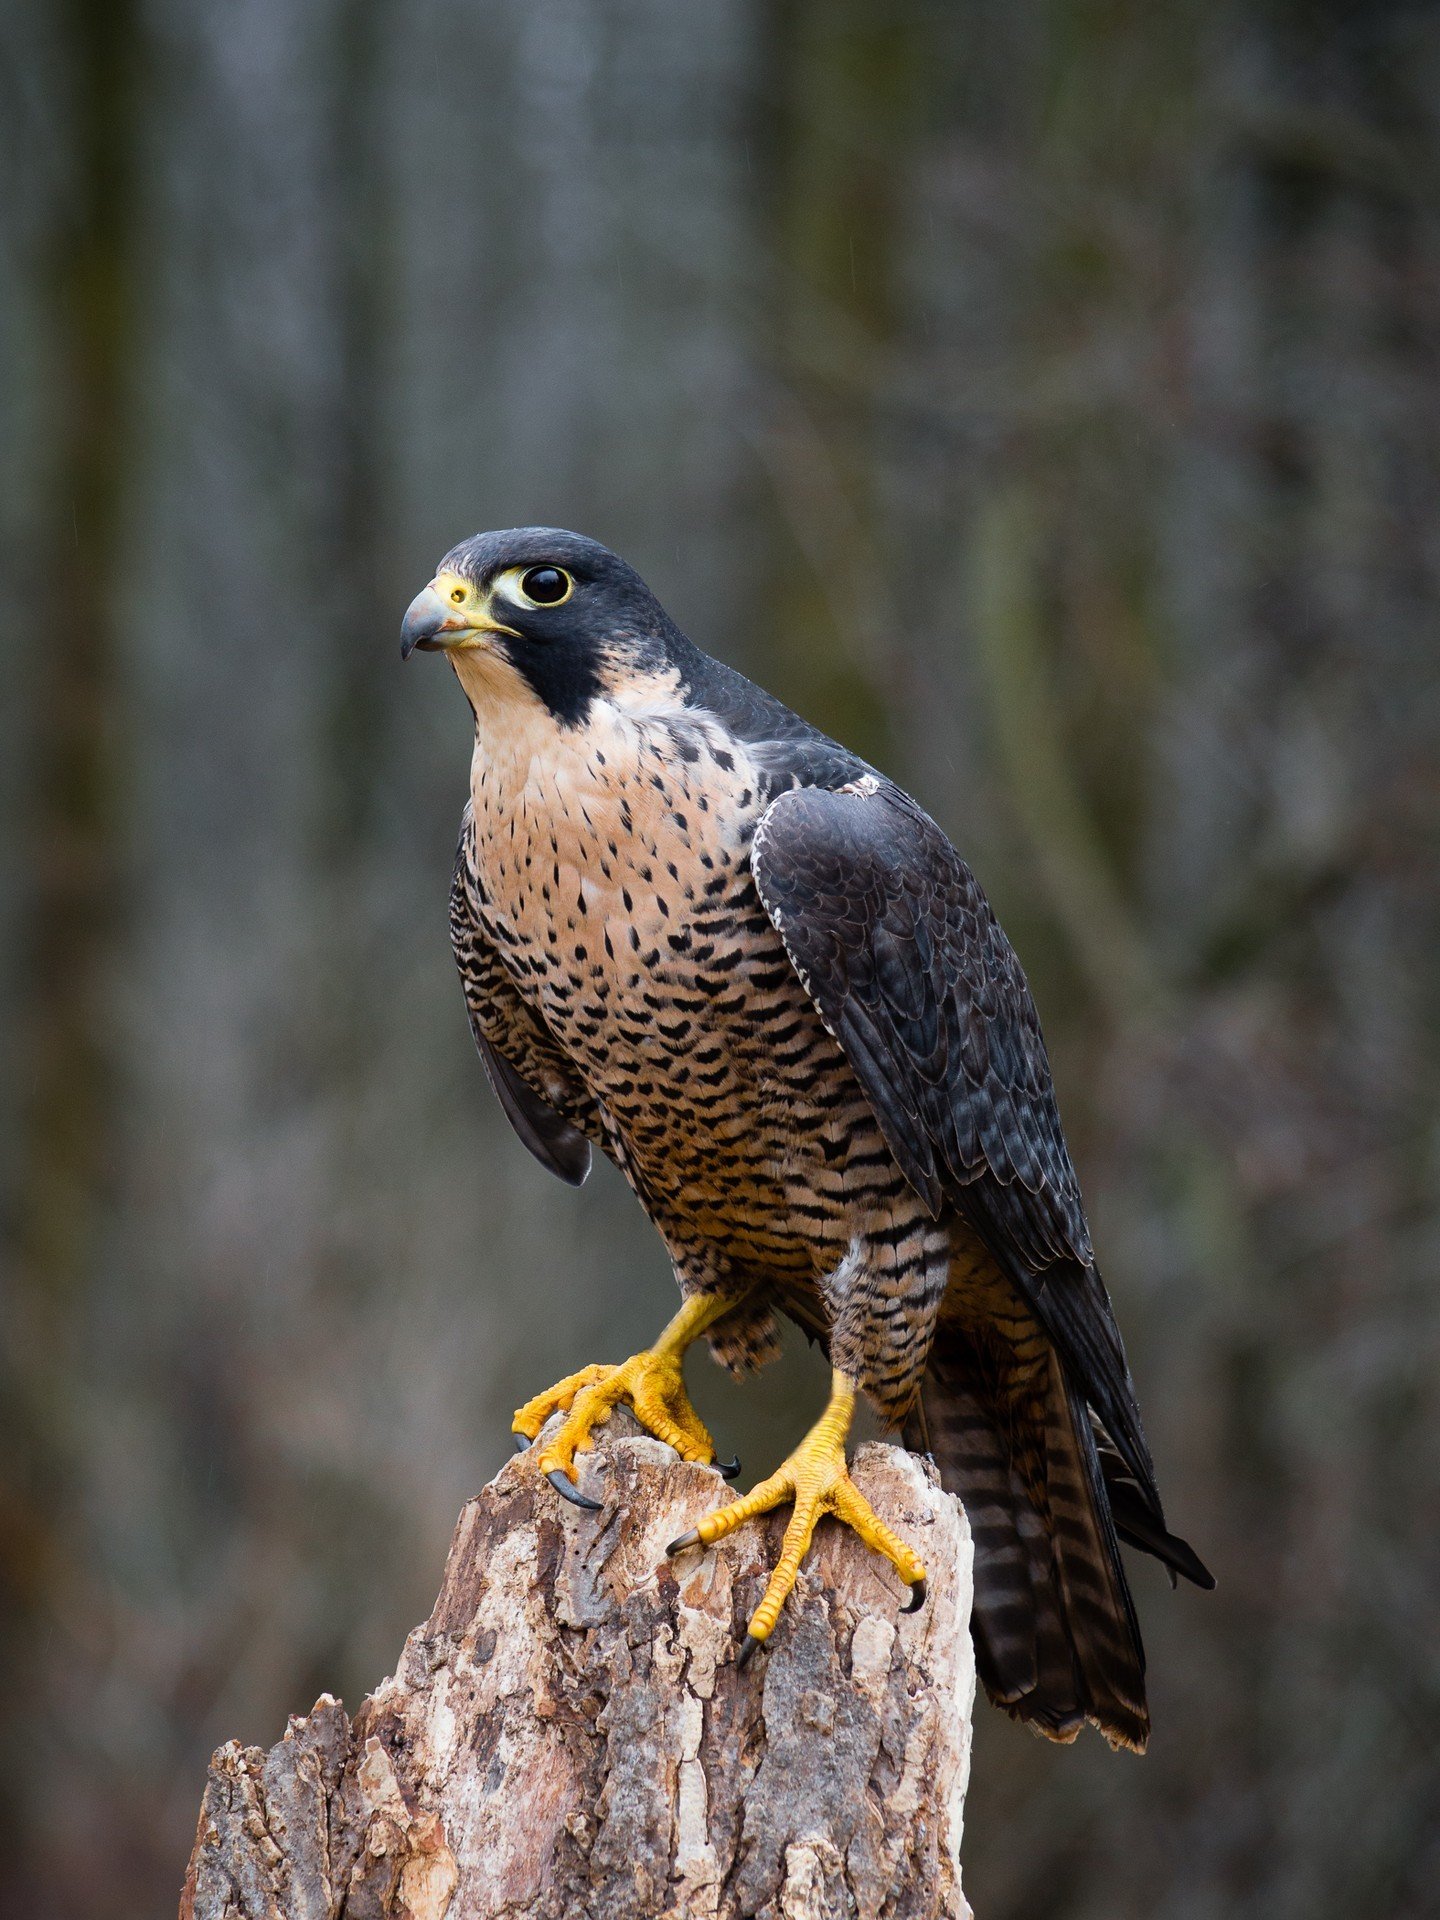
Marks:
<point>568,1734</point>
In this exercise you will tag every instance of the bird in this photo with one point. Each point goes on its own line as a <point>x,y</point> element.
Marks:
<point>697,933</point>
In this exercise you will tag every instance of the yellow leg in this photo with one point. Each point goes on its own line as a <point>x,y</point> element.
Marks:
<point>815,1478</point>
<point>653,1382</point>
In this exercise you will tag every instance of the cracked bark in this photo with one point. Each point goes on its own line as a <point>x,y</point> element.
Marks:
<point>567,1735</point>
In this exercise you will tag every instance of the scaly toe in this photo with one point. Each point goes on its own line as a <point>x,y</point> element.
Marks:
<point>560,1398</point>
<point>663,1407</point>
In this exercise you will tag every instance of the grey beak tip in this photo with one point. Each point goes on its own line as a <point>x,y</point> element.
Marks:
<point>424,619</point>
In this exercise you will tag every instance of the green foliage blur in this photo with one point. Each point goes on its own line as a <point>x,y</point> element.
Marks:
<point>1042,395</point>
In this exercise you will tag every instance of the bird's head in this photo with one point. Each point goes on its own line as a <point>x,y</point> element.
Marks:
<point>536,614</point>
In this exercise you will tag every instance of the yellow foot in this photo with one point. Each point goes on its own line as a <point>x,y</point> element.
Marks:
<point>815,1479</point>
<point>652,1383</point>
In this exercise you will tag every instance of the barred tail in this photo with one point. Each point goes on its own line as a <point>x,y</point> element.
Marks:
<point>1056,1638</point>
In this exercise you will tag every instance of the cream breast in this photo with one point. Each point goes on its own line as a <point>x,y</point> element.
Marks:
<point>595,843</point>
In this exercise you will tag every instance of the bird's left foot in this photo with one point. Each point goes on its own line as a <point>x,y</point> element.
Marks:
<point>651,1383</point>
<point>816,1479</point>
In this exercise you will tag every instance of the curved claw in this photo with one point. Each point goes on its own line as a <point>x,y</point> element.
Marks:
<point>749,1646</point>
<point>690,1539</point>
<point>917,1598</point>
<point>728,1469</point>
<point>562,1486</point>
<point>522,1442</point>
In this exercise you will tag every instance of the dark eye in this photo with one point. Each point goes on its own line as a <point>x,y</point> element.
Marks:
<point>546,586</point>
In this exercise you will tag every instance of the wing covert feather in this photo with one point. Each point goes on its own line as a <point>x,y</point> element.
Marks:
<point>898,948</point>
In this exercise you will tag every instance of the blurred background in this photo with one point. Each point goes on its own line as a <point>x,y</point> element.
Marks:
<point>1046,399</point>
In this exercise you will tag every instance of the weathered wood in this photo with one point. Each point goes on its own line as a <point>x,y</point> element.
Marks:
<point>568,1735</point>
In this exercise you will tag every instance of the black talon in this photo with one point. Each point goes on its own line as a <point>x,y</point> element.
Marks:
<point>749,1646</point>
<point>728,1469</point>
<point>917,1598</point>
<point>522,1442</point>
<point>562,1486</point>
<point>691,1539</point>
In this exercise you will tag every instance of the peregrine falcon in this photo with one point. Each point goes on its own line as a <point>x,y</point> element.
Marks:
<point>695,932</point>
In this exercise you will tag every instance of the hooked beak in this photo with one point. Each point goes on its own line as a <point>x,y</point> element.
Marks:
<point>430,625</point>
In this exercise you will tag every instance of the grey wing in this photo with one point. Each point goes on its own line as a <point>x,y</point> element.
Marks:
<point>897,946</point>
<point>544,1099</point>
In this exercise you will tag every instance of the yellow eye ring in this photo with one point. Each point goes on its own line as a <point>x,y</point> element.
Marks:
<point>538,589</point>
<point>457,595</point>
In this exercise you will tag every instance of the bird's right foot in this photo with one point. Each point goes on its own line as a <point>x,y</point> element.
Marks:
<point>650,1383</point>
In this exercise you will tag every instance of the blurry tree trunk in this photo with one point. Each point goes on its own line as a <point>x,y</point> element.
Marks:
<point>63,577</point>
<point>849,85</point>
<point>568,1734</point>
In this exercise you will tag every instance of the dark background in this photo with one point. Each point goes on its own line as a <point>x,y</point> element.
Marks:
<point>1046,399</point>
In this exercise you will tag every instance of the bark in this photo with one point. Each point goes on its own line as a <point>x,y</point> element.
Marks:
<point>568,1735</point>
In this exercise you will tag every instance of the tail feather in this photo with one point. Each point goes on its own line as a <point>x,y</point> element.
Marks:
<point>1022,1654</point>
<point>1056,1638</point>
<point>1099,1613</point>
